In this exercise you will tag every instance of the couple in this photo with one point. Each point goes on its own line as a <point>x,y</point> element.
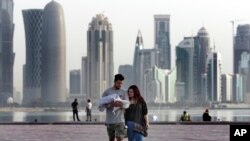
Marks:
<point>135,115</point>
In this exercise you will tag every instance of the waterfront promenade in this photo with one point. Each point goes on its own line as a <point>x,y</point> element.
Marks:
<point>69,131</point>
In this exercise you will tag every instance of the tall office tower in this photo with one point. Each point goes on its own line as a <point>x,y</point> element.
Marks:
<point>184,65</point>
<point>6,50</point>
<point>136,63</point>
<point>227,88</point>
<point>100,56</point>
<point>144,59</point>
<point>204,42</point>
<point>33,19</point>
<point>244,71</point>
<point>214,77</point>
<point>127,72</point>
<point>201,48</point>
<point>75,82</point>
<point>53,82</point>
<point>162,40</point>
<point>241,44</point>
<point>84,77</point>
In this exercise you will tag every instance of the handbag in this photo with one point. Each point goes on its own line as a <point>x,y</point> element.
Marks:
<point>140,129</point>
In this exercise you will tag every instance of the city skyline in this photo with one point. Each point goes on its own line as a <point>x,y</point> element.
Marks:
<point>186,19</point>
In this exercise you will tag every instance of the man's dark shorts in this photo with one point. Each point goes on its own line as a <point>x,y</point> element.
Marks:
<point>116,130</point>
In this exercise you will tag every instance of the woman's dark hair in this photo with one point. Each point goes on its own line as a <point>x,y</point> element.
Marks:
<point>119,77</point>
<point>137,94</point>
<point>88,100</point>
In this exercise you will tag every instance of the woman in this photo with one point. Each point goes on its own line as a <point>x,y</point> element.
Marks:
<point>136,117</point>
<point>206,116</point>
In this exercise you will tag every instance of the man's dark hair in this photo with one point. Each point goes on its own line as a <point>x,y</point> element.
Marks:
<point>119,77</point>
<point>88,100</point>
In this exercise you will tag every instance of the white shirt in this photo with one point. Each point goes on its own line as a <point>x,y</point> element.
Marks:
<point>89,105</point>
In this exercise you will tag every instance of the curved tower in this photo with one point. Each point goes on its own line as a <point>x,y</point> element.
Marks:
<point>53,84</point>
<point>204,42</point>
<point>33,34</point>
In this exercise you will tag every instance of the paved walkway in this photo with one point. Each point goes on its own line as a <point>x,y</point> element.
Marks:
<point>97,132</point>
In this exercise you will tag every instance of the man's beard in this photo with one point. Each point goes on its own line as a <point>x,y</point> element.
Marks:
<point>117,88</point>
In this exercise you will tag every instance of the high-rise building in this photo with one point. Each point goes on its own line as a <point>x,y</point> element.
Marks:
<point>204,42</point>
<point>185,67</point>
<point>241,44</point>
<point>136,63</point>
<point>214,77</point>
<point>84,74</point>
<point>226,88</point>
<point>6,50</point>
<point>127,72</point>
<point>33,19</point>
<point>144,59</point>
<point>162,40</point>
<point>100,56</point>
<point>53,59</point>
<point>75,82</point>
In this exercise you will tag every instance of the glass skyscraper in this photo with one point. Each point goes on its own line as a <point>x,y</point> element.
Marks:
<point>33,19</point>
<point>6,50</point>
<point>162,40</point>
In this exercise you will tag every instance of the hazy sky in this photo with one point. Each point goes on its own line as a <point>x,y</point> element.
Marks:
<point>127,16</point>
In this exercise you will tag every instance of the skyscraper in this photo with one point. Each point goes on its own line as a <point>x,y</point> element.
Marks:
<point>184,65</point>
<point>75,82</point>
<point>214,77</point>
<point>6,50</point>
<point>53,82</point>
<point>204,42</point>
<point>242,44</point>
<point>201,50</point>
<point>33,19</point>
<point>84,76</point>
<point>100,56</point>
<point>162,40</point>
<point>144,59</point>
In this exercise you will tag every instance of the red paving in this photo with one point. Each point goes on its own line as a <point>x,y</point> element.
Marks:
<point>98,133</point>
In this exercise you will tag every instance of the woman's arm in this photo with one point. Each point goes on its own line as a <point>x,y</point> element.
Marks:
<point>146,121</point>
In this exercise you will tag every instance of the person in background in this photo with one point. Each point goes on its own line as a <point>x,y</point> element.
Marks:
<point>88,110</point>
<point>206,116</point>
<point>185,117</point>
<point>136,116</point>
<point>74,106</point>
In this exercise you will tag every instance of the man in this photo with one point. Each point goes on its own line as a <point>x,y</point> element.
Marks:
<point>75,110</point>
<point>88,110</point>
<point>115,120</point>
